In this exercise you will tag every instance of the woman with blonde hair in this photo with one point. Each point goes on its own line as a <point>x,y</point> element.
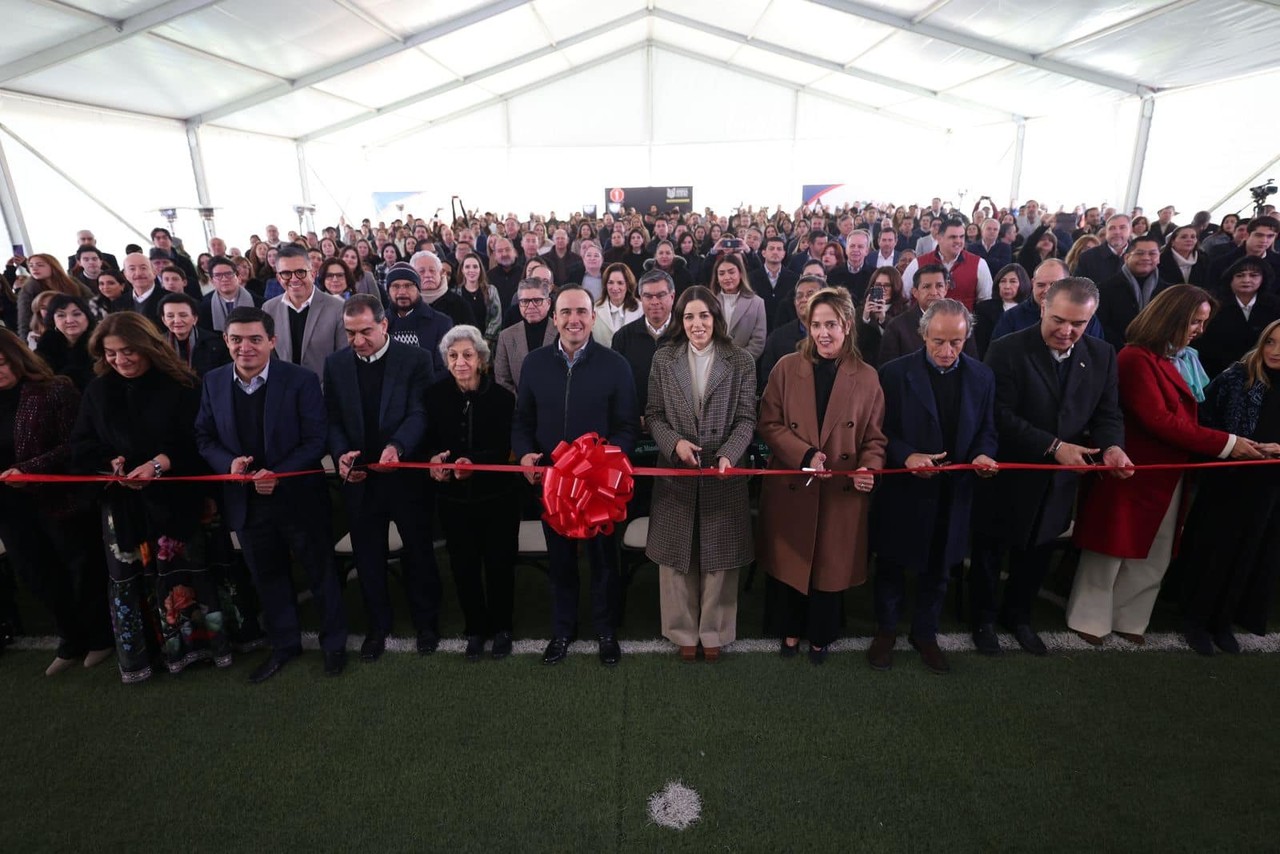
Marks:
<point>1083,244</point>
<point>135,421</point>
<point>1232,541</point>
<point>47,275</point>
<point>821,411</point>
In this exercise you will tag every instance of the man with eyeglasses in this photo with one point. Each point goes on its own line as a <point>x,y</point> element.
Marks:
<point>310,321</point>
<point>227,295</point>
<point>1122,296</point>
<point>533,297</point>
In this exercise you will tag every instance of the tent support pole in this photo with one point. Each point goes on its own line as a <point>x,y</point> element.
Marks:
<point>1019,143</point>
<point>1139,153</point>
<point>304,181</point>
<point>1238,187</point>
<point>9,207</point>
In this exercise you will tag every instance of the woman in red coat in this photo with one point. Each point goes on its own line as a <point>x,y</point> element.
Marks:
<point>1128,528</point>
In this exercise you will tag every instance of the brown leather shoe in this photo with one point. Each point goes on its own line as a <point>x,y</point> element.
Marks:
<point>931,655</point>
<point>688,653</point>
<point>880,654</point>
<point>1091,640</point>
<point>711,654</point>
<point>1133,638</point>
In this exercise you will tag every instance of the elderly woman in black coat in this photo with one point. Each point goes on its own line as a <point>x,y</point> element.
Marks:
<point>701,413</point>
<point>480,511</point>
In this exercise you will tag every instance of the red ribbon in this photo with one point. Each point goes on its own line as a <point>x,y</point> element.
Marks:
<point>632,471</point>
<point>587,488</point>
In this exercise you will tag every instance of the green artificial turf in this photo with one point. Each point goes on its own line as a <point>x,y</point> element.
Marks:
<point>1097,752</point>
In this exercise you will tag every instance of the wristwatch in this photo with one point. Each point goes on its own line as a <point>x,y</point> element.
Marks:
<point>155,464</point>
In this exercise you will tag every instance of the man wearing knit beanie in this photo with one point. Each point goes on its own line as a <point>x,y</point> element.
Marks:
<point>412,321</point>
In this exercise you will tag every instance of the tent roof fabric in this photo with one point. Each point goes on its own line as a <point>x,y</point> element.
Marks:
<point>306,69</point>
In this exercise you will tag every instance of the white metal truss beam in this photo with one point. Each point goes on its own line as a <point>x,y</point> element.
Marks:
<point>476,76</point>
<point>827,65</point>
<point>444,28</point>
<point>101,37</point>
<point>977,43</point>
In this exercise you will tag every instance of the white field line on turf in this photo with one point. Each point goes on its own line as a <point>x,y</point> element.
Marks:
<point>955,642</point>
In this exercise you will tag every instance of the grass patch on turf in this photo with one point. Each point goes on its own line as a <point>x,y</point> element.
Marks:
<point>1102,752</point>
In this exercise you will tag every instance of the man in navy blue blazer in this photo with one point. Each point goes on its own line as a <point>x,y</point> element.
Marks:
<point>375,391</point>
<point>569,388</point>
<point>939,409</point>
<point>264,417</point>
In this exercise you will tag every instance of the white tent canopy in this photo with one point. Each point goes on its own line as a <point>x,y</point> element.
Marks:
<point>112,109</point>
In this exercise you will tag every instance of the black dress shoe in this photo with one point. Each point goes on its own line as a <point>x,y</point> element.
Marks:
<point>985,639</point>
<point>788,650</point>
<point>1029,640</point>
<point>1199,640</point>
<point>273,665</point>
<point>1224,640</point>
<point>373,648</point>
<point>501,645</point>
<point>428,642</point>
<point>475,647</point>
<point>880,653</point>
<point>335,662</point>
<point>818,654</point>
<point>931,655</point>
<point>610,652</point>
<point>557,651</point>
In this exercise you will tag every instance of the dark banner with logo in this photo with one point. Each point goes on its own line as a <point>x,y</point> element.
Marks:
<point>617,199</point>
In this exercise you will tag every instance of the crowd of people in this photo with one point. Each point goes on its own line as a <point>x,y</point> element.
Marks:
<point>843,341</point>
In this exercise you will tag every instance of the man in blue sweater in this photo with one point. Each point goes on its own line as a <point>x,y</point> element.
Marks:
<point>569,388</point>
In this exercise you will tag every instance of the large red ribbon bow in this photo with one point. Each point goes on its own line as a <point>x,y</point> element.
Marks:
<point>587,488</point>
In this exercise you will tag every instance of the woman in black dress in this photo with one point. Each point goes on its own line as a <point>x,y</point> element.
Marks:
<point>136,421</point>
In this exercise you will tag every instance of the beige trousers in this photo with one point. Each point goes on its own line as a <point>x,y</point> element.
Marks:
<point>1112,594</point>
<point>699,606</point>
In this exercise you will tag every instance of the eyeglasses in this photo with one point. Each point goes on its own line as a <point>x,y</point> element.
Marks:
<point>342,276</point>
<point>654,296</point>
<point>532,302</point>
<point>286,275</point>
<point>226,274</point>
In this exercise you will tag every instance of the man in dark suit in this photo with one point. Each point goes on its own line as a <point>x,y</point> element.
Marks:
<point>990,247</point>
<point>637,341</point>
<point>771,280</point>
<point>1125,294</point>
<point>1242,315</point>
<point>549,409</point>
<point>375,392</point>
<point>1104,261</point>
<point>85,238</point>
<point>535,330</point>
<point>887,249</point>
<point>566,265</point>
<point>1057,401</point>
<point>901,335</point>
<point>144,294</point>
<point>1027,313</point>
<point>938,409</point>
<point>261,418</point>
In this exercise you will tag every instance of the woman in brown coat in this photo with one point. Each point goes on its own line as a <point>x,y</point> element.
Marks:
<point>701,412</point>
<point>822,410</point>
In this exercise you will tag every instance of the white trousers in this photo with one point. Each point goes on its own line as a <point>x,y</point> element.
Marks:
<point>699,606</point>
<point>1112,594</point>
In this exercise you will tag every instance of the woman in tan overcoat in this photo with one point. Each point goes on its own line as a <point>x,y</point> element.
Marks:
<point>821,410</point>
<point>701,412</point>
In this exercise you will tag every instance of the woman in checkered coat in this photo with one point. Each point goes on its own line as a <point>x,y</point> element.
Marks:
<point>701,412</point>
